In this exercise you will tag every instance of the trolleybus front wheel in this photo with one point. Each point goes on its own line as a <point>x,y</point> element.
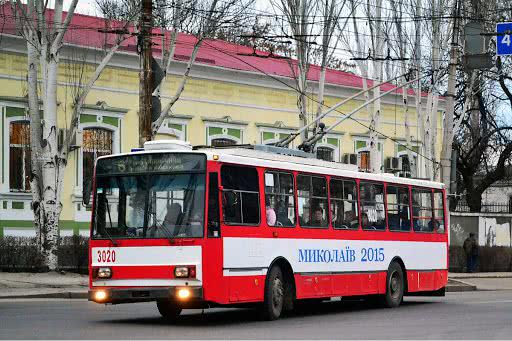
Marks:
<point>274,295</point>
<point>168,309</point>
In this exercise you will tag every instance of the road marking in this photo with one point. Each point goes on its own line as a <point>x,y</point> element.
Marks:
<point>489,302</point>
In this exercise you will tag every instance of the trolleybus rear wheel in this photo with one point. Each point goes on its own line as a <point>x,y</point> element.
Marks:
<point>394,286</point>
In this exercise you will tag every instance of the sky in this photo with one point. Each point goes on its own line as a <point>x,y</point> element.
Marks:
<point>84,6</point>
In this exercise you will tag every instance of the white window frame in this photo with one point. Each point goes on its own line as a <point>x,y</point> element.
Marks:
<point>276,132</point>
<point>80,159</point>
<point>336,150</point>
<point>4,187</point>
<point>224,135</point>
<point>179,135</point>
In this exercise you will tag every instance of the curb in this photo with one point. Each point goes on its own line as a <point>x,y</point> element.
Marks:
<point>65,294</point>
<point>459,286</point>
<point>478,277</point>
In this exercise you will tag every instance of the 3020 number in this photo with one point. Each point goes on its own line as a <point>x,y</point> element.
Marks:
<point>372,254</point>
<point>106,256</point>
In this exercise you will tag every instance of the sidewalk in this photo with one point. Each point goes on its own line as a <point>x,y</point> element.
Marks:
<point>484,280</point>
<point>43,285</point>
<point>71,285</point>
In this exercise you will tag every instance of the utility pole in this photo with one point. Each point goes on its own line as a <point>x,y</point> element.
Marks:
<point>446,153</point>
<point>146,75</point>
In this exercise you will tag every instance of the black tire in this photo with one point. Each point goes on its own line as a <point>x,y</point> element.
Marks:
<point>168,309</point>
<point>274,295</point>
<point>395,286</point>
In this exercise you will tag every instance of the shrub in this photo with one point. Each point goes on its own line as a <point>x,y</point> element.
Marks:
<point>22,254</point>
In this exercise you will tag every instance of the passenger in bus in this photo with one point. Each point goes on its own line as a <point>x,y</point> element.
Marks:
<point>433,225</point>
<point>318,217</point>
<point>339,219</point>
<point>365,222</point>
<point>405,222</point>
<point>271,214</point>
<point>173,218</point>
<point>282,214</point>
<point>350,220</point>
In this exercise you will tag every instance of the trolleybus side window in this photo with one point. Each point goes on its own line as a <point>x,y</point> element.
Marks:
<point>240,196</point>
<point>344,204</point>
<point>279,199</point>
<point>213,206</point>
<point>439,211</point>
<point>372,206</point>
<point>312,201</point>
<point>422,210</point>
<point>398,208</point>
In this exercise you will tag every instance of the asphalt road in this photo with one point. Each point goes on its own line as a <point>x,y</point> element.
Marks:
<point>468,315</point>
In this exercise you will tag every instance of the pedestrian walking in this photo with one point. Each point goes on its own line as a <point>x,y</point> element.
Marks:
<point>471,250</point>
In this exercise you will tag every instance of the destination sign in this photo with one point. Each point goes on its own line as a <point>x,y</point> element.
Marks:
<point>151,163</point>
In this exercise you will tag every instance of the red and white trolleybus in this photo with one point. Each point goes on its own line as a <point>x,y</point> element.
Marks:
<point>203,227</point>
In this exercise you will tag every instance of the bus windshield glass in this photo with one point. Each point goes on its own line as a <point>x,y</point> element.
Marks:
<point>150,200</point>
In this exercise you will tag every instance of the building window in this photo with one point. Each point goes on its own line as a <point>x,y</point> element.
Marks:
<point>19,160</point>
<point>325,153</point>
<point>96,142</point>
<point>223,142</point>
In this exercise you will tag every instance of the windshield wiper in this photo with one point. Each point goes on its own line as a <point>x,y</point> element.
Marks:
<point>110,220</point>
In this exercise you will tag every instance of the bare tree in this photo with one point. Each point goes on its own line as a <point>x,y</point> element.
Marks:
<point>44,32</point>
<point>299,27</point>
<point>204,19</point>
<point>330,12</point>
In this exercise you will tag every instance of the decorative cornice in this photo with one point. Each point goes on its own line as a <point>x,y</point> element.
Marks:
<point>103,106</point>
<point>181,117</point>
<point>21,100</point>
<point>276,125</point>
<point>225,120</point>
<point>365,135</point>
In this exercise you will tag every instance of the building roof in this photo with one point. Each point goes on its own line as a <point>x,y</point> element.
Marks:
<point>84,30</point>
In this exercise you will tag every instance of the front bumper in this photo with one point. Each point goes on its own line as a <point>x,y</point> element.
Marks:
<point>144,294</point>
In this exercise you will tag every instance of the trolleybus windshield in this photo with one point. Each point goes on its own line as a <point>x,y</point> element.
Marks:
<point>150,196</point>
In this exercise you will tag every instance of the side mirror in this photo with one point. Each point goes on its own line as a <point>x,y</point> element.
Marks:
<point>86,192</point>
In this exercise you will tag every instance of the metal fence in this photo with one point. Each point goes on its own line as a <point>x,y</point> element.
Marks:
<point>486,208</point>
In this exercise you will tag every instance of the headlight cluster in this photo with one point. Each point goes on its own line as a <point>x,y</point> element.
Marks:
<point>102,273</point>
<point>188,271</point>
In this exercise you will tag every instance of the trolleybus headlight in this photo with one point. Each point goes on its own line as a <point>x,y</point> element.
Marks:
<point>185,271</point>
<point>104,273</point>
<point>183,293</point>
<point>100,296</point>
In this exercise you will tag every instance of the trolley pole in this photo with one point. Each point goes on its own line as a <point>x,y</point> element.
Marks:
<point>145,74</point>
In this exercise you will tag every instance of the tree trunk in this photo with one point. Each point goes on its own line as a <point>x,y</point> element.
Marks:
<point>375,157</point>
<point>474,201</point>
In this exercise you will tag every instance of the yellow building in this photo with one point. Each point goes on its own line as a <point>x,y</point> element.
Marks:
<point>225,101</point>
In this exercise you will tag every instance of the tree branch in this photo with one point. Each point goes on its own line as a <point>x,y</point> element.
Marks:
<point>57,43</point>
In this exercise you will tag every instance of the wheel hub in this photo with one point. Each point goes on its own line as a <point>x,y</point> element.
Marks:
<point>277,292</point>
<point>395,285</point>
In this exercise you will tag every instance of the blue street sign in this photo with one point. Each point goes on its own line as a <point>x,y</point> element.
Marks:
<point>504,39</point>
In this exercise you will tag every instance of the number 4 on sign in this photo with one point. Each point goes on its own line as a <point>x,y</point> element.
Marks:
<point>506,40</point>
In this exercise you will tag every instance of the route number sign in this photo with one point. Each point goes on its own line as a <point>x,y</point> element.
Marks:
<point>504,39</point>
